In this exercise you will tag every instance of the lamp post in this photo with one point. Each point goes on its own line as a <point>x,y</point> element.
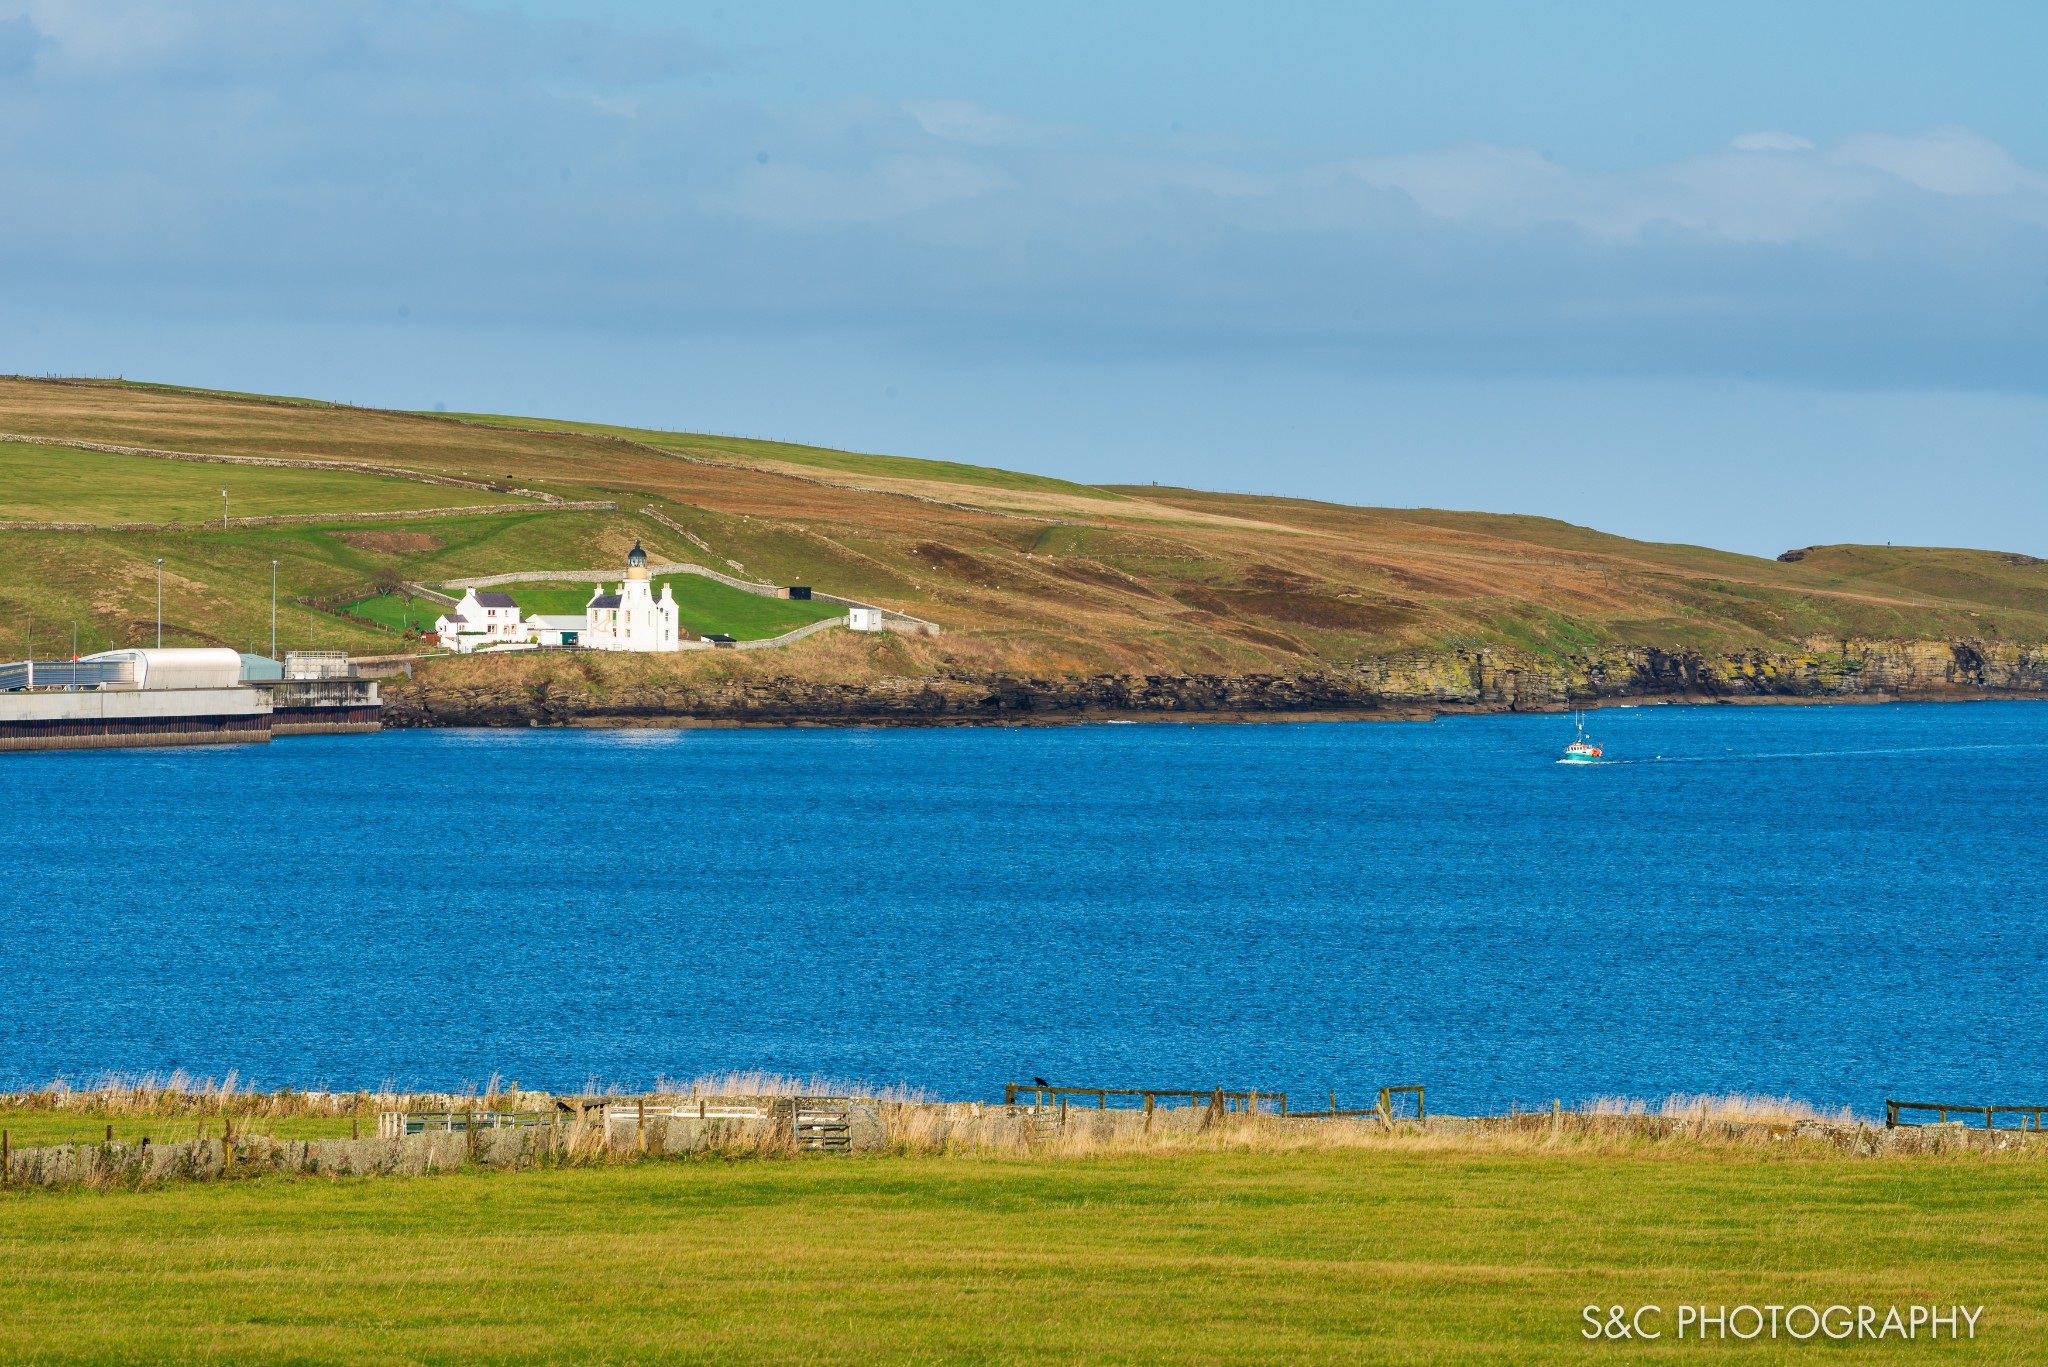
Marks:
<point>159,602</point>
<point>273,609</point>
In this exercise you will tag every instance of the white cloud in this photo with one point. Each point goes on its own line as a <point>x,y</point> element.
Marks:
<point>1946,161</point>
<point>1729,197</point>
<point>232,158</point>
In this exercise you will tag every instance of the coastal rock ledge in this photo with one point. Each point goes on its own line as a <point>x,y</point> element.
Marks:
<point>1412,685</point>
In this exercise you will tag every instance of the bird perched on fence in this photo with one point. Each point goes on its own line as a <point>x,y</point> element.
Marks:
<point>1040,1082</point>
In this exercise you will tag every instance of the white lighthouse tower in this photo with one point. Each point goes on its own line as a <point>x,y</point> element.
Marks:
<point>633,618</point>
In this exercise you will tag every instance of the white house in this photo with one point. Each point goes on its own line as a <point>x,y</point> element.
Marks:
<point>481,619</point>
<point>632,618</point>
<point>864,619</point>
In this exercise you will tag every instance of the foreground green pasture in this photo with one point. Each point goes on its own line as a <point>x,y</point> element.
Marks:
<point>64,484</point>
<point>1374,1255</point>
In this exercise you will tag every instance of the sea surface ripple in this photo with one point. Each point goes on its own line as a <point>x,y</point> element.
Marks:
<point>1834,903</point>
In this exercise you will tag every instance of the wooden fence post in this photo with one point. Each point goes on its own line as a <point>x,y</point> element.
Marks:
<point>1252,1103</point>
<point>1421,1111</point>
<point>1009,1093</point>
<point>1148,1113</point>
<point>6,1159</point>
<point>641,1125</point>
<point>1333,1101</point>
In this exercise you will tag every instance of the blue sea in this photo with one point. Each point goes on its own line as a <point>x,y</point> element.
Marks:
<point>1833,903</point>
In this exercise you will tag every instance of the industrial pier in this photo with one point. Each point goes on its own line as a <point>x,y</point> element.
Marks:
<point>179,697</point>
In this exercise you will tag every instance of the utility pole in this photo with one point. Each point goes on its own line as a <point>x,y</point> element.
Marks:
<point>273,609</point>
<point>223,510</point>
<point>159,602</point>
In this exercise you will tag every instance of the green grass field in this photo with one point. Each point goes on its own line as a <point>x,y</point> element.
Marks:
<point>64,484</point>
<point>1376,1255</point>
<point>396,612</point>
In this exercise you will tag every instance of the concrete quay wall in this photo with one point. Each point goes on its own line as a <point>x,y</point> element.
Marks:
<point>93,719</point>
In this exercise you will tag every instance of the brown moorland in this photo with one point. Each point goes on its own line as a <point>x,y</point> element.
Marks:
<point>1023,572</point>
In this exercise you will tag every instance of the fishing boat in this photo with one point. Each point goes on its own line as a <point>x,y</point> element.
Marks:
<point>1581,750</point>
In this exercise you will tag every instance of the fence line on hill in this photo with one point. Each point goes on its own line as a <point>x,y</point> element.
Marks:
<point>486,581</point>
<point>309,519</point>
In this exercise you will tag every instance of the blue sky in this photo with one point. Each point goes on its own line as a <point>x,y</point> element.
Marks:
<point>1753,276</point>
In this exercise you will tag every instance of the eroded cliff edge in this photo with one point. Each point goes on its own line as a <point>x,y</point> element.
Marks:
<point>1408,685</point>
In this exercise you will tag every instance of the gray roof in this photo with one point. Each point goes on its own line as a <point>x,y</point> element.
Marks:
<point>556,621</point>
<point>496,600</point>
<point>605,600</point>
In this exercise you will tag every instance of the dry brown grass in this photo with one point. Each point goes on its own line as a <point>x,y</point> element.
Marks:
<point>753,1082</point>
<point>919,1126</point>
<point>1735,1106</point>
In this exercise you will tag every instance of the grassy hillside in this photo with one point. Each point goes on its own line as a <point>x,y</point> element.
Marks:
<point>44,484</point>
<point>1422,1253</point>
<point>1023,572</point>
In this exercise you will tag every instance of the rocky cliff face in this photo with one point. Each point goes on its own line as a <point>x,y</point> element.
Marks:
<point>1483,680</point>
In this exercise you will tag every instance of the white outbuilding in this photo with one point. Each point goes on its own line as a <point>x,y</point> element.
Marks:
<point>864,619</point>
<point>557,628</point>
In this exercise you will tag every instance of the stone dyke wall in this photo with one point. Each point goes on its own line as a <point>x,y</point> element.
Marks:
<point>308,519</point>
<point>1413,685</point>
<point>277,462</point>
